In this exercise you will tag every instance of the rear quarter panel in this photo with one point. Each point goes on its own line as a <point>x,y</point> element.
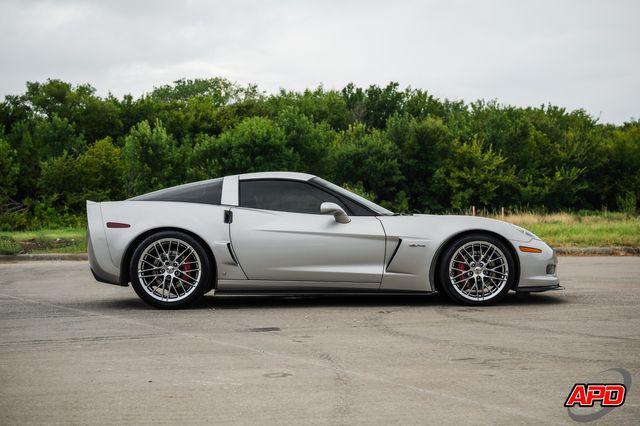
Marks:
<point>203,220</point>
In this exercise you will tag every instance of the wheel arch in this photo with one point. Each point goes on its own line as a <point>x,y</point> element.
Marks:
<point>131,248</point>
<point>435,262</point>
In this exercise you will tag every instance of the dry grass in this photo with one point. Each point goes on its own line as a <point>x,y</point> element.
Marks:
<point>590,229</point>
<point>531,218</point>
<point>581,230</point>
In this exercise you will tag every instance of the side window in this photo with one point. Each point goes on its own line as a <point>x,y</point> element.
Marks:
<point>207,192</point>
<point>284,195</point>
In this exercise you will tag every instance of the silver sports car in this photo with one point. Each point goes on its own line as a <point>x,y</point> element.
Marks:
<point>294,233</point>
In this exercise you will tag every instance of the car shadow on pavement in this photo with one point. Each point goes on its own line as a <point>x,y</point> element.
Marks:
<point>321,301</point>
<point>266,302</point>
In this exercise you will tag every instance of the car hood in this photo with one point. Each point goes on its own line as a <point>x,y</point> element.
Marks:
<point>434,227</point>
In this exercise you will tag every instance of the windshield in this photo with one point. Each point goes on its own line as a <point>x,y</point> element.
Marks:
<point>354,197</point>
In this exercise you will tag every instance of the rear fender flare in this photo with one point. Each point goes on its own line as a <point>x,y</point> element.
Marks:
<point>126,259</point>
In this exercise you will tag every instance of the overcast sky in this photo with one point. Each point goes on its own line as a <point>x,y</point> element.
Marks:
<point>576,54</point>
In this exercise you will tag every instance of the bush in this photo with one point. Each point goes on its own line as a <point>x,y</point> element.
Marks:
<point>61,144</point>
<point>9,246</point>
<point>8,172</point>
<point>151,159</point>
<point>627,203</point>
<point>475,175</point>
<point>257,144</point>
<point>97,174</point>
<point>311,142</point>
<point>368,160</point>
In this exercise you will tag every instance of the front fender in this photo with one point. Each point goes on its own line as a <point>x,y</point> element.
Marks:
<point>417,240</point>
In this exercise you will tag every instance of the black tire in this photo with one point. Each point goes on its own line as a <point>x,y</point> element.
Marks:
<point>190,296</point>
<point>446,284</point>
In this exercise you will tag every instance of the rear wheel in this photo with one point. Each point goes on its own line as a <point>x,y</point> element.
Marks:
<point>170,270</point>
<point>477,269</point>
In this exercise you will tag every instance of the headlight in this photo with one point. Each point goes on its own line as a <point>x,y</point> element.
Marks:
<point>527,233</point>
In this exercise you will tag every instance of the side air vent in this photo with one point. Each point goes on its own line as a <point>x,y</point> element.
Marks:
<point>394,253</point>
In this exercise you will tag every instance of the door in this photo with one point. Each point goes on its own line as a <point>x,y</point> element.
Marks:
<point>278,234</point>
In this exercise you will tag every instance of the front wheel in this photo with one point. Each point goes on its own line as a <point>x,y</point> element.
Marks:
<point>477,269</point>
<point>170,270</point>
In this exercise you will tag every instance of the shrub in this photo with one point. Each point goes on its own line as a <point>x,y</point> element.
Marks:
<point>627,203</point>
<point>9,246</point>
<point>257,144</point>
<point>151,159</point>
<point>8,172</point>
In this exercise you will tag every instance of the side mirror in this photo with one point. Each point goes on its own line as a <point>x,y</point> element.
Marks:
<point>338,213</point>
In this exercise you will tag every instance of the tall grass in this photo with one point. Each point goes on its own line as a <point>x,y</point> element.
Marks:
<point>64,240</point>
<point>581,229</point>
<point>563,229</point>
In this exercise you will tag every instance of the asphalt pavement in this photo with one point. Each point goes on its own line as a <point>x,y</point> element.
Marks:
<point>76,351</point>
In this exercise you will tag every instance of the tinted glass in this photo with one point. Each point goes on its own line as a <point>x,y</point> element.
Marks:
<point>284,195</point>
<point>353,197</point>
<point>207,192</point>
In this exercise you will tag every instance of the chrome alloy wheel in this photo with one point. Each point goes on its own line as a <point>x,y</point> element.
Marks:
<point>169,269</point>
<point>478,271</point>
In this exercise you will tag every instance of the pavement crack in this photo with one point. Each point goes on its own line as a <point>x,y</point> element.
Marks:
<point>523,327</point>
<point>363,375</point>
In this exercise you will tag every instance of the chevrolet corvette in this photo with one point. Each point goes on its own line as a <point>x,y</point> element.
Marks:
<point>295,233</point>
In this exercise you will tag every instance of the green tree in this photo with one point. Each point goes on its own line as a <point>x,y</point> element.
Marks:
<point>92,116</point>
<point>424,144</point>
<point>9,169</point>
<point>218,91</point>
<point>101,171</point>
<point>311,142</point>
<point>318,105</point>
<point>37,140</point>
<point>369,160</point>
<point>206,158</point>
<point>474,175</point>
<point>256,144</point>
<point>97,174</point>
<point>152,159</point>
<point>404,147</point>
<point>374,105</point>
<point>617,170</point>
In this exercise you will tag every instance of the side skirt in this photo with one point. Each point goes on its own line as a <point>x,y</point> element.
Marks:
<point>323,293</point>
<point>261,287</point>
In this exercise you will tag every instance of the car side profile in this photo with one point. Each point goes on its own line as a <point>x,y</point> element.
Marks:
<point>295,233</point>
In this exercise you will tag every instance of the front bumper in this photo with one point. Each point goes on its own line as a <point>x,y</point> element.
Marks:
<point>537,270</point>
<point>538,289</point>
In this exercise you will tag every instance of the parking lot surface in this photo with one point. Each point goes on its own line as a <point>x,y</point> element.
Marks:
<point>76,351</point>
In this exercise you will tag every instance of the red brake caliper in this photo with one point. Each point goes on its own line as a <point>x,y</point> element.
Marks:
<point>461,266</point>
<point>186,267</point>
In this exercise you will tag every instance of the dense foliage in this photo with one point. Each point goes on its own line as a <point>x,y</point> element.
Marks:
<point>62,144</point>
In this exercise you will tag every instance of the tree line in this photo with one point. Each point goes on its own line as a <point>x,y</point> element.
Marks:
<point>62,144</point>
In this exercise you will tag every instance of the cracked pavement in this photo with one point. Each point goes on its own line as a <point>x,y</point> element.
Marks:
<point>76,351</point>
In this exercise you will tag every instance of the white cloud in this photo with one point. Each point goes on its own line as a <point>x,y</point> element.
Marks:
<point>577,54</point>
